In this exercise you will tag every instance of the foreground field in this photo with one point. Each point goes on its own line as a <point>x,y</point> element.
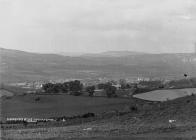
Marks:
<point>148,122</point>
<point>164,95</point>
<point>104,130</point>
<point>57,105</point>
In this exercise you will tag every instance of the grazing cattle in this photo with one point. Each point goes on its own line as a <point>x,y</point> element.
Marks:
<point>172,124</point>
<point>172,121</point>
<point>87,129</point>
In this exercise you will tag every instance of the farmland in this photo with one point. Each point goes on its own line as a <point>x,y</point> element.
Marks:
<point>57,105</point>
<point>163,95</point>
<point>149,122</point>
<point>5,93</point>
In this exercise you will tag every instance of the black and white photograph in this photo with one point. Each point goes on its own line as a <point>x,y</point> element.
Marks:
<point>97,69</point>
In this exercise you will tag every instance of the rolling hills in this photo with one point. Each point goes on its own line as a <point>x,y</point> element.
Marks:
<point>24,66</point>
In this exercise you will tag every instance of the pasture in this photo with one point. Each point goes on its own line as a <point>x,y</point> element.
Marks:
<point>57,105</point>
<point>5,93</point>
<point>164,95</point>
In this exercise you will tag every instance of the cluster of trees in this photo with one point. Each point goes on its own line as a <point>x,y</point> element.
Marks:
<point>90,90</point>
<point>142,86</point>
<point>147,86</point>
<point>182,83</point>
<point>152,84</point>
<point>109,89</point>
<point>74,87</point>
<point>124,85</point>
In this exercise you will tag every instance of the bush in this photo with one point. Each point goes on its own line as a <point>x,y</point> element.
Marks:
<point>63,87</point>
<point>37,99</point>
<point>76,93</point>
<point>8,97</point>
<point>90,90</point>
<point>110,91</point>
<point>143,90</point>
<point>134,108</point>
<point>88,115</point>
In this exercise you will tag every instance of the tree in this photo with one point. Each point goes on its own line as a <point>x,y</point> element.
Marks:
<point>48,87</point>
<point>75,86</point>
<point>90,90</point>
<point>65,87</point>
<point>57,87</point>
<point>110,91</point>
<point>101,86</point>
<point>123,83</point>
<point>76,93</point>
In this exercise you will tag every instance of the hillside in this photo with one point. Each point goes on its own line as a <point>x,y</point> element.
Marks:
<point>149,121</point>
<point>20,66</point>
<point>113,54</point>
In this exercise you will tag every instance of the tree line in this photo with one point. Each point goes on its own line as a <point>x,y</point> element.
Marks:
<point>76,88</point>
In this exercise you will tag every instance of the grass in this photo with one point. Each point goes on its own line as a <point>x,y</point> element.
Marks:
<point>121,138</point>
<point>57,105</point>
<point>163,95</point>
<point>17,90</point>
<point>150,122</point>
<point>5,93</point>
<point>131,138</point>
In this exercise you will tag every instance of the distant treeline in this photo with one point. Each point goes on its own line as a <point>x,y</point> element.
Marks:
<point>182,83</point>
<point>76,87</point>
<point>146,86</point>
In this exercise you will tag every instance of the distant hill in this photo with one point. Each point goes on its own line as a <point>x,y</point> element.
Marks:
<point>19,65</point>
<point>102,54</point>
<point>113,54</point>
<point>72,54</point>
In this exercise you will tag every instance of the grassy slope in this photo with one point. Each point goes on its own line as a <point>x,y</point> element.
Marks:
<point>151,120</point>
<point>163,95</point>
<point>23,66</point>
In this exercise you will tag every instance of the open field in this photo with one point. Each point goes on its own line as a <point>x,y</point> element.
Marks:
<point>5,93</point>
<point>57,105</point>
<point>147,123</point>
<point>16,90</point>
<point>164,95</point>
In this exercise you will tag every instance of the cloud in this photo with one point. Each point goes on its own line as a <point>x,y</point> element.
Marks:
<point>94,25</point>
<point>186,17</point>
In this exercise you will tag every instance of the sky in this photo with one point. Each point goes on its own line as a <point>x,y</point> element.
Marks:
<point>90,26</point>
